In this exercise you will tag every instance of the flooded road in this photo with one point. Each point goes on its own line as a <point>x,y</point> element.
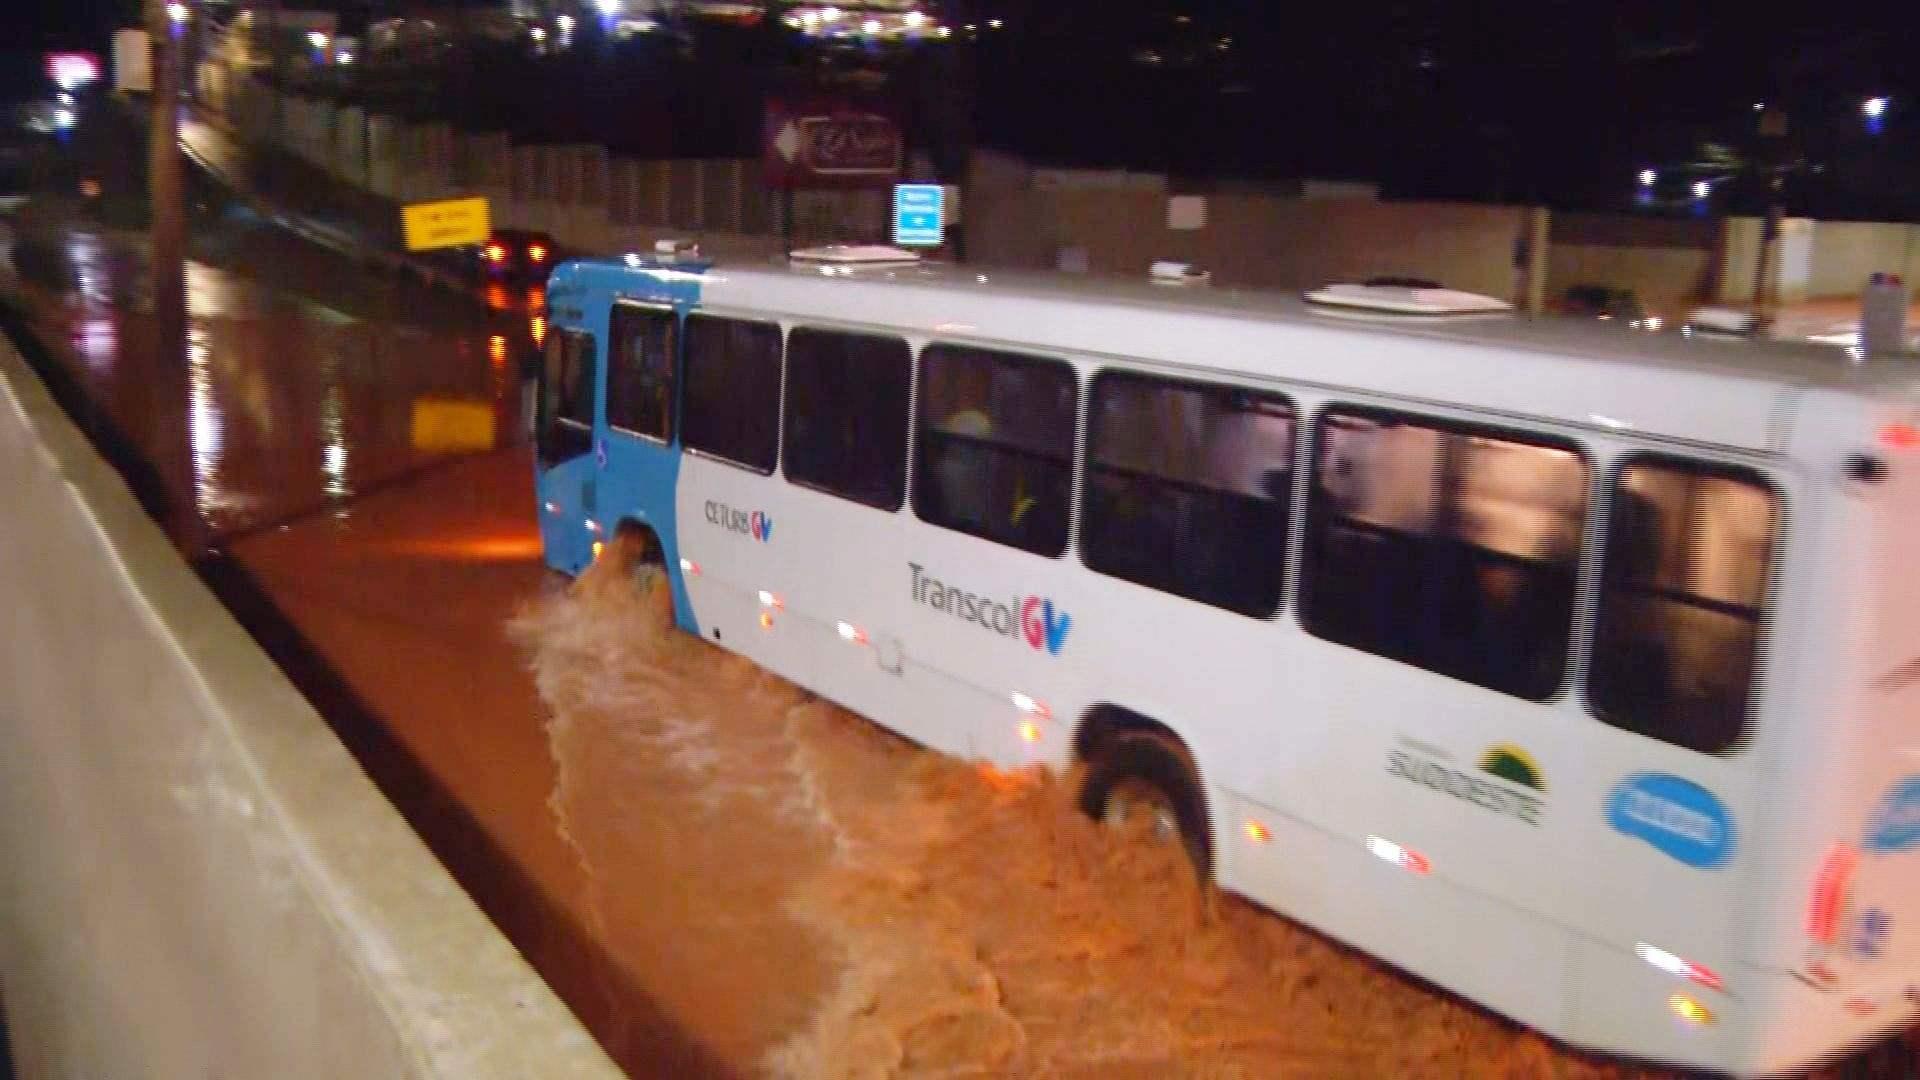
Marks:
<point>293,398</point>
<point>722,875</point>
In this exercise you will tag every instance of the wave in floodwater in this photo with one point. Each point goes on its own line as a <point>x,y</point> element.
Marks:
<point>852,906</point>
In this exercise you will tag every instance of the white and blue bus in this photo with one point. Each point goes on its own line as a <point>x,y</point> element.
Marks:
<point>1573,668</point>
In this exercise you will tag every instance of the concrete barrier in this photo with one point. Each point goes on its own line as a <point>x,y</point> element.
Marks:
<point>196,879</point>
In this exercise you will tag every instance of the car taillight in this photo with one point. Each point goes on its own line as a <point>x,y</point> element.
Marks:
<point>496,253</point>
<point>537,253</point>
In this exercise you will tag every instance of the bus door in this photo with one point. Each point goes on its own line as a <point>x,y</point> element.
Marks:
<point>642,448</point>
<point>564,464</point>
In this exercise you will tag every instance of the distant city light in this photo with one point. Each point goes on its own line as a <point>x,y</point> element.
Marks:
<point>537,33</point>
<point>343,58</point>
<point>609,8</point>
<point>1702,189</point>
<point>316,39</point>
<point>915,18</point>
<point>178,13</point>
<point>1759,106</point>
<point>564,22</point>
<point>1647,177</point>
<point>870,27</point>
<point>994,24</point>
<point>66,98</point>
<point>63,119</point>
<point>1874,108</point>
<point>70,71</point>
<point>943,31</point>
<point>829,14</point>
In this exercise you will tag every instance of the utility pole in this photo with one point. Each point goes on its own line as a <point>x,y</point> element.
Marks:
<point>167,270</point>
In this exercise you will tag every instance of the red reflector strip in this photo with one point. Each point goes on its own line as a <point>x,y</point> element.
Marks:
<point>1829,893</point>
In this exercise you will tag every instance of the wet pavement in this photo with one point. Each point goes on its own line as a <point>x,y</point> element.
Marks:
<point>721,874</point>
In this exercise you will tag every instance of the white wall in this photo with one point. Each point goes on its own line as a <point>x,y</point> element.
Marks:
<point>196,879</point>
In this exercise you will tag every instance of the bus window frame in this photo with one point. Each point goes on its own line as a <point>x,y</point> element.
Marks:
<point>1763,624</point>
<point>1076,445</point>
<point>828,326</point>
<point>673,397</point>
<point>580,343</point>
<point>780,389</point>
<point>1084,467</point>
<point>1584,605</point>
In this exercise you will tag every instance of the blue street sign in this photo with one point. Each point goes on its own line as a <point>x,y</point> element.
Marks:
<point>919,215</point>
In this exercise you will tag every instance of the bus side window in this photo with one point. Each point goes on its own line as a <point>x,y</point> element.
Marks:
<point>565,415</point>
<point>640,371</point>
<point>994,455</point>
<point>731,406</point>
<point>1689,548</point>
<point>845,431</point>
<point>1447,547</point>
<point>1188,489</point>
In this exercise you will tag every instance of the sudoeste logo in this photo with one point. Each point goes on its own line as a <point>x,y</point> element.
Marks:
<point>1895,825</point>
<point>1677,816</point>
<point>1034,619</point>
<point>757,524</point>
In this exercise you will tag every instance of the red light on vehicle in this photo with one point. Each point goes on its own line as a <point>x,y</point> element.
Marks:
<point>537,328</point>
<point>1678,965</point>
<point>598,547</point>
<point>497,349</point>
<point>537,253</point>
<point>496,253</point>
<point>1404,857</point>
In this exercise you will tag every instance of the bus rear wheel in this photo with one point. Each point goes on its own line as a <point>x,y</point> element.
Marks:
<point>1147,777</point>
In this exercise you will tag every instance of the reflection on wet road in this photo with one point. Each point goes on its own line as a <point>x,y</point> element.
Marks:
<point>291,401</point>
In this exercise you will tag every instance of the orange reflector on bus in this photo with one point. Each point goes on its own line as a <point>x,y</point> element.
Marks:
<point>1687,1008</point>
<point>766,620</point>
<point>1030,731</point>
<point>1258,832</point>
<point>597,548</point>
<point>1404,857</point>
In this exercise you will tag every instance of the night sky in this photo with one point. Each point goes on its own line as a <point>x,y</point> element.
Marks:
<point>1550,101</point>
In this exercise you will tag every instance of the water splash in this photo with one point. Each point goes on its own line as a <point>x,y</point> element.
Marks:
<point>919,916</point>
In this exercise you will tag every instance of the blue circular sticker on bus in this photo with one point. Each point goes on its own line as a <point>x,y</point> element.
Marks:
<point>1677,816</point>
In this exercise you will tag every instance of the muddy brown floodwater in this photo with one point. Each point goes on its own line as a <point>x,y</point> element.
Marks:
<point>859,907</point>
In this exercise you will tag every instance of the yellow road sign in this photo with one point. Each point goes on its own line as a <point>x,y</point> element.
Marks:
<point>446,224</point>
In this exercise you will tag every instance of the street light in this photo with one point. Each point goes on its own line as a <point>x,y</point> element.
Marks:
<point>1647,177</point>
<point>1702,189</point>
<point>178,14</point>
<point>1874,108</point>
